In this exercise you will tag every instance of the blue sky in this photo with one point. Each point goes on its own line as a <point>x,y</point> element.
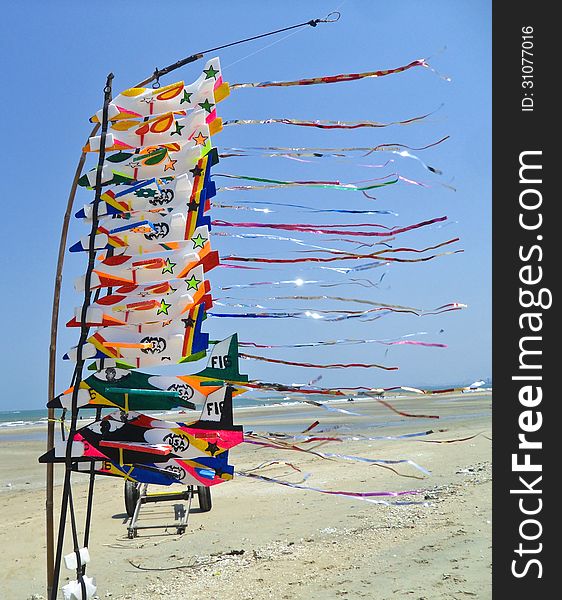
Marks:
<point>57,56</point>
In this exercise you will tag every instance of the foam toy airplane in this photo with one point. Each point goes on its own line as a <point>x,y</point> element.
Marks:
<point>195,186</point>
<point>207,471</point>
<point>131,432</point>
<point>149,194</point>
<point>151,161</point>
<point>160,129</point>
<point>142,102</point>
<point>152,232</point>
<point>167,342</point>
<point>196,203</point>
<point>106,388</point>
<point>130,309</point>
<point>175,227</point>
<point>126,270</point>
<point>131,438</point>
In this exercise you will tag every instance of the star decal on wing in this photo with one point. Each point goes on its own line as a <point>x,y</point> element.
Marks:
<point>196,171</point>
<point>200,139</point>
<point>163,308</point>
<point>192,283</point>
<point>178,129</point>
<point>198,241</point>
<point>208,106</point>
<point>168,267</point>
<point>212,448</point>
<point>210,72</point>
<point>186,97</point>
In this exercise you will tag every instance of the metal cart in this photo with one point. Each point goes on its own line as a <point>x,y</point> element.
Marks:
<point>136,495</point>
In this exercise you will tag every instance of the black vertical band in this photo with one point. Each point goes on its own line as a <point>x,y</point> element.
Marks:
<point>525,266</point>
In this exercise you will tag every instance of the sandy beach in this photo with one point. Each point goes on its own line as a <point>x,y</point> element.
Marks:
<point>263,540</point>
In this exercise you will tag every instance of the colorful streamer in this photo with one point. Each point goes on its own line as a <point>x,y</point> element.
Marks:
<point>377,399</point>
<point>295,156</point>
<point>344,342</point>
<point>345,391</point>
<point>264,236</point>
<point>334,185</point>
<point>357,268</point>
<point>332,229</point>
<point>336,152</point>
<point>300,282</point>
<point>389,250</point>
<point>464,439</point>
<point>397,308</point>
<point>403,413</point>
<point>317,366</point>
<point>319,124</point>
<point>305,439</point>
<point>347,256</point>
<point>330,408</point>
<point>394,307</point>
<point>305,208</point>
<point>333,78</point>
<point>378,461</point>
<point>329,316</point>
<point>321,184</point>
<point>298,242</point>
<point>326,124</point>
<point>355,495</point>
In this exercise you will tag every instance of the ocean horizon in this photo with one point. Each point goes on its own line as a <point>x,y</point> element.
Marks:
<point>25,418</point>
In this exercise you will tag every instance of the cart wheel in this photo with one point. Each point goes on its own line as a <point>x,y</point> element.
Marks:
<point>132,494</point>
<point>181,530</point>
<point>204,494</point>
<point>130,534</point>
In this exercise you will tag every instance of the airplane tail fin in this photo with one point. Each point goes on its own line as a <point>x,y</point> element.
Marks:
<point>223,362</point>
<point>217,411</point>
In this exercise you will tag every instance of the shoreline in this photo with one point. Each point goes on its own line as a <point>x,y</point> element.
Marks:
<point>25,427</point>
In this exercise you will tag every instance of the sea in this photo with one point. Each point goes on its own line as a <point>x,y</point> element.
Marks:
<point>13,420</point>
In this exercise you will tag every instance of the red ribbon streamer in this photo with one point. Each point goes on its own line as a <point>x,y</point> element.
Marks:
<point>420,62</point>
<point>373,255</point>
<point>317,366</point>
<point>329,228</point>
